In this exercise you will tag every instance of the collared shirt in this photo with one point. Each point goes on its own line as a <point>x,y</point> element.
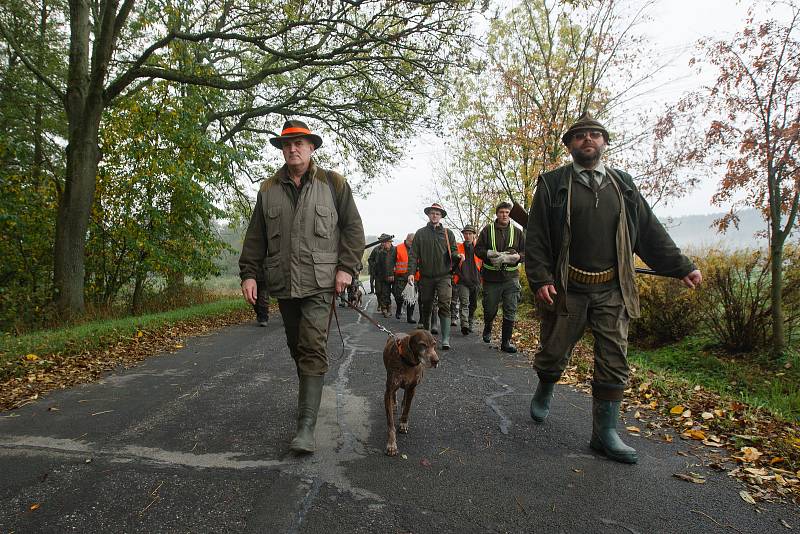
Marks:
<point>599,173</point>
<point>291,187</point>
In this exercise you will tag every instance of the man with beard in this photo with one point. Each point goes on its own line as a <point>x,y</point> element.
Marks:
<point>587,221</point>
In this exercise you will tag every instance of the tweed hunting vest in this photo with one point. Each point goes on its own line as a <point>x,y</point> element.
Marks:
<point>302,241</point>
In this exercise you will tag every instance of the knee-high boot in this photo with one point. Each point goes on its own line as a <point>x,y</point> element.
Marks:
<point>410,314</point>
<point>604,432</point>
<point>487,329</point>
<point>506,345</point>
<point>445,324</point>
<point>307,408</point>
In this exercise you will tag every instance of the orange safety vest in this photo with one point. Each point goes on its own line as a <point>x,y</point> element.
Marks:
<point>401,260</point>
<point>478,261</point>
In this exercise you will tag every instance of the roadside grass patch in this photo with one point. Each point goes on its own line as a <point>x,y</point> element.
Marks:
<point>752,379</point>
<point>20,354</point>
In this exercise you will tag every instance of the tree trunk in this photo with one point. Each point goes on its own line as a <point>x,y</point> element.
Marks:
<point>73,218</point>
<point>776,264</point>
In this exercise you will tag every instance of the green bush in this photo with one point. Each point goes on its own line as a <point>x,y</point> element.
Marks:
<point>670,311</point>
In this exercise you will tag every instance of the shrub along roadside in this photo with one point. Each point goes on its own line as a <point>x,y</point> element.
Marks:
<point>33,364</point>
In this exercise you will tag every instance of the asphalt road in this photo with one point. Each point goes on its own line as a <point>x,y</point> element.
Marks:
<point>197,441</point>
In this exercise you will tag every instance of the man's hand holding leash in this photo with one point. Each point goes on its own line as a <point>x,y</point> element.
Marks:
<point>343,279</point>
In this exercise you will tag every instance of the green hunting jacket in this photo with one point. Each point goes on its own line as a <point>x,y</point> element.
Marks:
<point>302,236</point>
<point>428,253</point>
<point>547,237</point>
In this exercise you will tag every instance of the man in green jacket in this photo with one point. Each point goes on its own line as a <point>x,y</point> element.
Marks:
<point>501,246</point>
<point>307,233</point>
<point>586,222</point>
<point>433,252</point>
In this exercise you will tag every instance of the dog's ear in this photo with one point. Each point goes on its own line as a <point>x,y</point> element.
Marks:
<point>419,341</point>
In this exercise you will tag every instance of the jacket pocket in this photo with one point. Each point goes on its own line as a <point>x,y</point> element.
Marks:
<point>323,221</point>
<point>276,278</point>
<point>273,230</point>
<point>325,268</point>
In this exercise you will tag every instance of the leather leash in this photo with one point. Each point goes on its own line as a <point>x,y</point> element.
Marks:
<point>333,314</point>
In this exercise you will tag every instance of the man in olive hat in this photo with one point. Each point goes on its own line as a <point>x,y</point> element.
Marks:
<point>433,253</point>
<point>307,234</point>
<point>586,222</point>
<point>501,246</point>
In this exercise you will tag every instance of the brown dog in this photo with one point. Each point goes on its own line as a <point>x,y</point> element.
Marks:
<point>405,358</point>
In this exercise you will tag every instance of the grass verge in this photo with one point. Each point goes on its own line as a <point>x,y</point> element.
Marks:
<point>33,364</point>
<point>99,334</point>
<point>752,379</point>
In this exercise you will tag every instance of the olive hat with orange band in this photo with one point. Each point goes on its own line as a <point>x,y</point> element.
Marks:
<point>293,129</point>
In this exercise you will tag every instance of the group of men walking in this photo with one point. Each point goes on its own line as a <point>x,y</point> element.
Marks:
<point>450,274</point>
<point>586,222</point>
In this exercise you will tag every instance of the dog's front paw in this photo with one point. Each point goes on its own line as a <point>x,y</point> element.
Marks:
<point>391,449</point>
<point>403,428</point>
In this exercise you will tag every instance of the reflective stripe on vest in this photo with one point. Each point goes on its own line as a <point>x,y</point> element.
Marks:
<point>491,267</point>
<point>401,260</point>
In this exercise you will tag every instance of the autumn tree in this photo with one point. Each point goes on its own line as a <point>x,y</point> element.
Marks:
<point>754,110</point>
<point>545,62</point>
<point>363,70</point>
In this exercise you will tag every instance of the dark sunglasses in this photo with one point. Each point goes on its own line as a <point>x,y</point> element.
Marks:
<point>594,134</point>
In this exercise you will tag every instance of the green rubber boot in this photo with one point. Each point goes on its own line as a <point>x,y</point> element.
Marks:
<point>307,408</point>
<point>604,432</point>
<point>540,403</point>
<point>445,324</point>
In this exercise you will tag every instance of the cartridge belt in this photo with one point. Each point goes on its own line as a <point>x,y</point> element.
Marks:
<point>586,277</point>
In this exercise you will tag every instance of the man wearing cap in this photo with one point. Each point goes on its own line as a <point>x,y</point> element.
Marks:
<point>433,252</point>
<point>466,282</point>
<point>307,233</point>
<point>397,264</point>
<point>383,276</point>
<point>586,222</point>
<point>501,246</point>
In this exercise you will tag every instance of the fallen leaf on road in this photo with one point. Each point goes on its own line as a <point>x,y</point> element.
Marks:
<point>633,429</point>
<point>694,478</point>
<point>686,414</point>
<point>676,410</point>
<point>707,415</point>
<point>785,524</point>
<point>750,454</point>
<point>668,438</point>
<point>34,506</point>
<point>776,460</point>
<point>31,357</point>
<point>746,497</point>
<point>694,434</point>
<point>577,470</point>
<point>404,456</point>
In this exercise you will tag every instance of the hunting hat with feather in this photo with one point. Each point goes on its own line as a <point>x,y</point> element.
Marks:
<point>584,122</point>
<point>435,206</point>
<point>293,129</point>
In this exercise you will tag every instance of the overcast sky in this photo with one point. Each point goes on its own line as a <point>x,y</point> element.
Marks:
<point>396,207</point>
